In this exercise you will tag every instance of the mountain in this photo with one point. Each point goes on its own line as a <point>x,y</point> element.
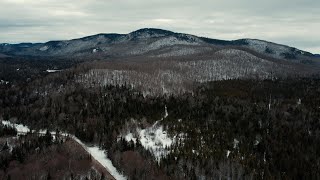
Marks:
<point>150,42</point>
<point>156,61</point>
<point>155,104</point>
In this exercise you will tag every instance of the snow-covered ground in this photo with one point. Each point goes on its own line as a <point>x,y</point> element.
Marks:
<point>97,153</point>
<point>22,129</point>
<point>154,139</point>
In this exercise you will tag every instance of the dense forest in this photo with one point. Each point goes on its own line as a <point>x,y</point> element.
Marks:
<point>270,129</point>
<point>241,129</point>
<point>7,130</point>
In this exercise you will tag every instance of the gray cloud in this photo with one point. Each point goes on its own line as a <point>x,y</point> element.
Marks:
<point>293,22</point>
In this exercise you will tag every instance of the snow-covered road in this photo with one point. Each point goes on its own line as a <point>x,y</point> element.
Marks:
<point>100,155</point>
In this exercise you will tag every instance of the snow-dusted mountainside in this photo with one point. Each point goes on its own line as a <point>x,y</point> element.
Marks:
<point>148,41</point>
<point>276,50</point>
<point>175,76</point>
<point>157,61</point>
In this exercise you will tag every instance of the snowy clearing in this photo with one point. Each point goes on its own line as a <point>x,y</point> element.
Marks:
<point>154,139</point>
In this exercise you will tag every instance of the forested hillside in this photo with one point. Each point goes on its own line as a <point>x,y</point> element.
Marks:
<point>233,128</point>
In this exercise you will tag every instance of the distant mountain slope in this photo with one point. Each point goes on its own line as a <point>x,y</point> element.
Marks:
<point>176,75</point>
<point>149,41</point>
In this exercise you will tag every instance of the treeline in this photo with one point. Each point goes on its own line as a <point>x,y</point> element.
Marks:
<point>35,156</point>
<point>25,145</point>
<point>18,70</point>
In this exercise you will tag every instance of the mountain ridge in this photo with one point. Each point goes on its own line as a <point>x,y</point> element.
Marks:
<point>144,41</point>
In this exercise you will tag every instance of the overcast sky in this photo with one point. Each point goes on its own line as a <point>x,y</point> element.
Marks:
<point>291,22</point>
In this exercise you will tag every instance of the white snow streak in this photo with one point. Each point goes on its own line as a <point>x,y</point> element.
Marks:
<point>228,153</point>
<point>52,70</point>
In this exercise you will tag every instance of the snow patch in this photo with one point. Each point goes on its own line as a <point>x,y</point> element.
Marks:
<point>4,82</point>
<point>155,139</point>
<point>130,137</point>
<point>256,142</point>
<point>228,153</point>
<point>299,102</point>
<point>52,70</point>
<point>44,48</point>
<point>165,112</point>
<point>235,143</point>
<point>195,152</point>
<point>21,129</point>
